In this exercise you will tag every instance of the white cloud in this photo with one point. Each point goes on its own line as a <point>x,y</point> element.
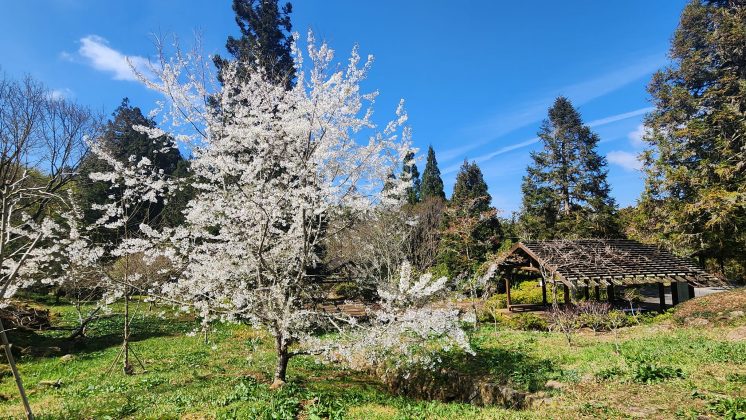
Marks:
<point>628,161</point>
<point>60,93</point>
<point>500,151</point>
<point>96,51</point>
<point>64,55</point>
<point>636,137</point>
<point>619,117</point>
<point>505,149</point>
<point>579,93</point>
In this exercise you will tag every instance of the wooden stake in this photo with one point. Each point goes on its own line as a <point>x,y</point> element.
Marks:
<point>14,369</point>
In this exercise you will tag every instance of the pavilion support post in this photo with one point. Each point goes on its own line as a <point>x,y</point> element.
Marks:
<point>674,293</point>
<point>507,288</point>
<point>544,292</point>
<point>597,292</point>
<point>587,292</point>
<point>691,291</point>
<point>610,293</point>
<point>567,294</point>
<point>662,297</point>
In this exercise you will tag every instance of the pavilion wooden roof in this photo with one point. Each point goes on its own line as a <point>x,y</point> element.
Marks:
<point>604,262</point>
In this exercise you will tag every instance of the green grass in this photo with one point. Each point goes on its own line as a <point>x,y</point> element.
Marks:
<point>661,370</point>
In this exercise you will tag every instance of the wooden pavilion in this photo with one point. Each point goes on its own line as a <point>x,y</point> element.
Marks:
<point>591,264</point>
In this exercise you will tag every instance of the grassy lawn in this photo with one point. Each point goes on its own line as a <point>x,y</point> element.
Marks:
<point>657,370</point>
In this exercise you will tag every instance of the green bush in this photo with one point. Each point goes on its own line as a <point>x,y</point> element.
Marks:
<point>649,318</point>
<point>526,292</point>
<point>530,322</point>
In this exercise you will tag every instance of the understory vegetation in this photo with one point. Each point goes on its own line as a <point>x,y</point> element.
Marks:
<point>661,369</point>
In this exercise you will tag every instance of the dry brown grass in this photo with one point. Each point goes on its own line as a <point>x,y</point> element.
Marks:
<point>713,307</point>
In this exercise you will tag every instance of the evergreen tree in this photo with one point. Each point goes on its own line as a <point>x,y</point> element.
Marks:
<point>470,191</point>
<point>124,142</point>
<point>410,171</point>
<point>471,229</point>
<point>265,41</point>
<point>696,169</point>
<point>432,184</point>
<point>565,192</point>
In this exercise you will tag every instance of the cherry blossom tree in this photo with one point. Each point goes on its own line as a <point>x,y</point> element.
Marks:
<point>273,167</point>
<point>135,185</point>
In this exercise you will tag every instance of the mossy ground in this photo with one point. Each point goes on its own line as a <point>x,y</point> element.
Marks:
<point>601,375</point>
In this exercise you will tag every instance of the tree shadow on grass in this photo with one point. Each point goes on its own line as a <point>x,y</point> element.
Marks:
<point>503,366</point>
<point>102,334</point>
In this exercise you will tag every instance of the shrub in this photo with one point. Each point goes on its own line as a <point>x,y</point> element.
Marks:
<point>594,315</point>
<point>497,301</point>
<point>649,318</point>
<point>526,292</point>
<point>564,320</point>
<point>530,322</point>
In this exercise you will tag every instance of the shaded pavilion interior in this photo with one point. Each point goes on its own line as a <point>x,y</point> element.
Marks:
<point>584,268</point>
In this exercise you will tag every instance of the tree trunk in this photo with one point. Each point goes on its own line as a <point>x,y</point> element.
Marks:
<point>80,331</point>
<point>283,357</point>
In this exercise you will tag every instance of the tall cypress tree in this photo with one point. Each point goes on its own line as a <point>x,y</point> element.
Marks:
<point>432,184</point>
<point>265,41</point>
<point>470,190</point>
<point>565,191</point>
<point>410,172</point>
<point>696,171</point>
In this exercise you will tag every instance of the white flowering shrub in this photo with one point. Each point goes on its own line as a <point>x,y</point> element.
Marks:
<point>404,330</point>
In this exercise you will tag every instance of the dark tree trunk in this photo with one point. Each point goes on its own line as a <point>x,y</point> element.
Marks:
<point>283,357</point>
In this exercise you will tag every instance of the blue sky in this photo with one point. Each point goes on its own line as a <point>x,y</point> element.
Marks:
<point>477,76</point>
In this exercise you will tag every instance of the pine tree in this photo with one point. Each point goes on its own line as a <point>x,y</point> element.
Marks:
<point>565,192</point>
<point>265,41</point>
<point>124,142</point>
<point>410,172</point>
<point>432,184</point>
<point>696,169</point>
